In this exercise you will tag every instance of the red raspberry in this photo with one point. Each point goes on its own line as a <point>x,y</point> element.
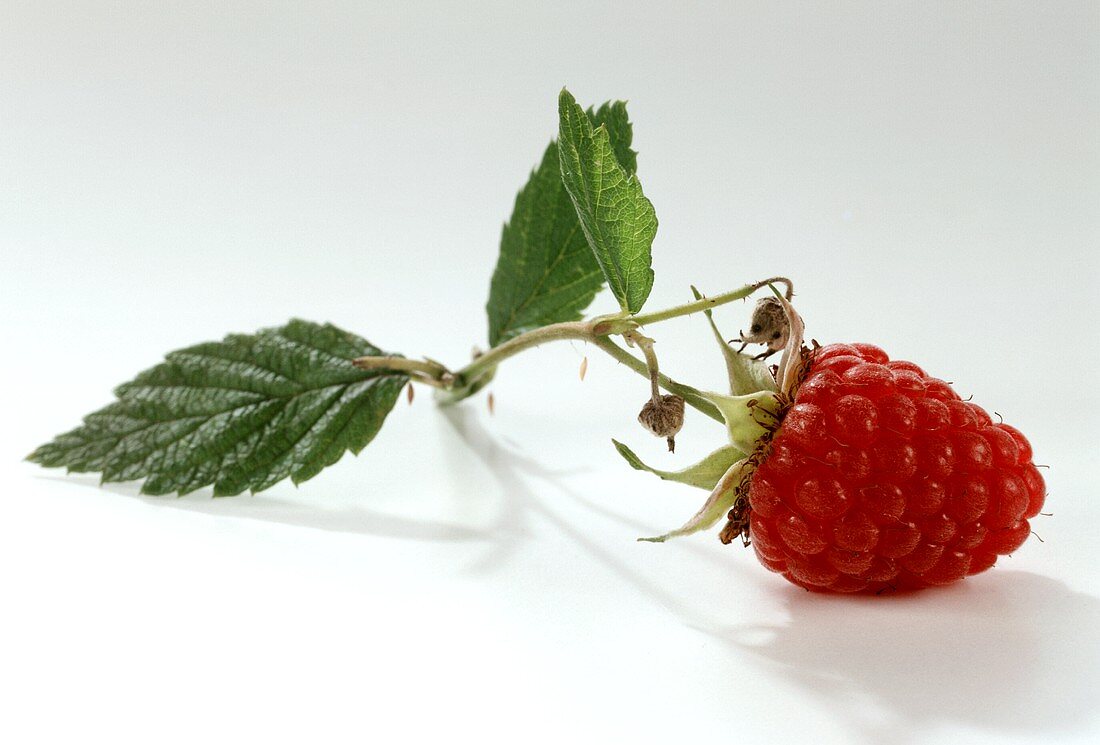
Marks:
<point>880,477</point>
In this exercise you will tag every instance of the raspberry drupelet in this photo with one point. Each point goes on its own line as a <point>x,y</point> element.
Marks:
<point>881,478</point>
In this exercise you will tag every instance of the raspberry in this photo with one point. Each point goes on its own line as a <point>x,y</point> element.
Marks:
<point>881,477</point>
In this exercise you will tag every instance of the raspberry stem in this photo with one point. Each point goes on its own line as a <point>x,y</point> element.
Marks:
<point>646,345</point>
<point>692,396</point>
<point>425,371</point>
<point>459,384</point>
<point>710,302</point>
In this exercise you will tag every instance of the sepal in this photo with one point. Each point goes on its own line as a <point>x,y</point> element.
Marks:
<point>747,417</point>
<point>721,499</point>
<point>704,475</point>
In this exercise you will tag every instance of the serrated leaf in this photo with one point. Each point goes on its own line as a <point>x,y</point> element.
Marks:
<point>612,116</point>
<point>240,414</point>
<point>546,273</point>
<point>703,475</point>
<point>617,219</point>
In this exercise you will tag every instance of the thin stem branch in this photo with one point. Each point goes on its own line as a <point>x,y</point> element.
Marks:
<point>710,302</point>
<point>596,328</point>
<point>644,343</point>
<point>592,332</point>
<point>555,332</point>
<point>465,381</point>
<point>691,396</point>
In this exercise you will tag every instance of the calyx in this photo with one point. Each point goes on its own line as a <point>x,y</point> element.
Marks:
<point>751,418</point>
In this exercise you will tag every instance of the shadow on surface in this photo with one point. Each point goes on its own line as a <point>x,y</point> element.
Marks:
<point>516,500</point>
<point>1009,652</point>
<point>513,471</point>
<point>357,520</point>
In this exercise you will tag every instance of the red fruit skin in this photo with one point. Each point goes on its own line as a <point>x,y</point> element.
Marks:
<point>881,478</point>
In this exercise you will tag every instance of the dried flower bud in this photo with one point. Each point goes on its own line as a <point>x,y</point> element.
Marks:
<point>664,416</point>
<point>769,325</point>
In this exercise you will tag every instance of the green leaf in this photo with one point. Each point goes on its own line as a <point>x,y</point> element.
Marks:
<point>546,273</point>
<point>612,116</point>
<point>241,414</point>
<point>704,474</point>
<point>746,374</point>
<point>617,219</point>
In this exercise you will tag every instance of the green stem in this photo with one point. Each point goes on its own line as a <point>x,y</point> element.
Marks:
<point>594,332</point>
<point>646,345</point>
<point>584,330</point>
<point>468,380</point>
<point>709,302</point>
<point>691,396</point>
<point>600,327</point>
<point>432,370</point>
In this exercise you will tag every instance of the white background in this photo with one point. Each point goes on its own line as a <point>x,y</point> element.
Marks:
<point>928,173</point>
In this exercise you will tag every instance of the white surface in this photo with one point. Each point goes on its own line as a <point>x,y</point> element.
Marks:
<point>927,172</point>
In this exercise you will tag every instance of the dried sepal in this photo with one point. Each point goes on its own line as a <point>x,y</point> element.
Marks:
<point>769,325</point>
<point>791,364</point>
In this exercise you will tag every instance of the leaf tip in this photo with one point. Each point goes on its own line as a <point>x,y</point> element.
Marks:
<point>565,102</point>
<point>632,459</point>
